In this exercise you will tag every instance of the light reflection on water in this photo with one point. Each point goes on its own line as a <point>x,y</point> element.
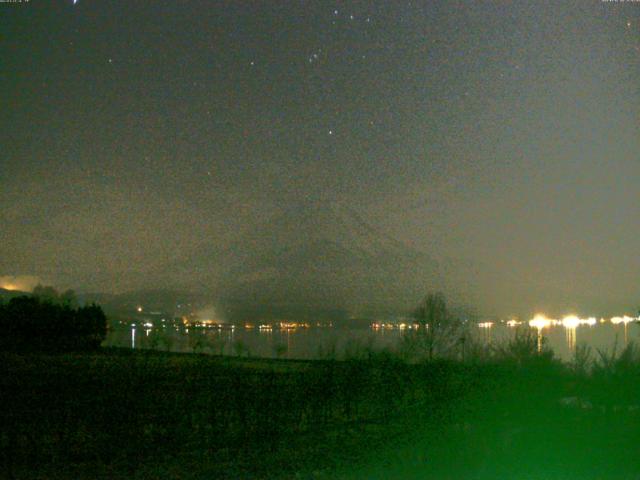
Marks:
<point>571,338</point>
<point>321,342</point>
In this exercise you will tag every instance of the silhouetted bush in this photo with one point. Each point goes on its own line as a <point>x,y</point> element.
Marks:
<point>440,333</point>
<point>33,323</point>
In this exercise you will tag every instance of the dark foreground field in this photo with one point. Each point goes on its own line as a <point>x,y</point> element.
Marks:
<point>121,414</point>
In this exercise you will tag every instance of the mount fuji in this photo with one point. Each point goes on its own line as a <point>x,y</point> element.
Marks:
<point>312,257</point>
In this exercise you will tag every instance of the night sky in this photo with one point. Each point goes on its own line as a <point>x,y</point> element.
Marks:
<point>501,138</point>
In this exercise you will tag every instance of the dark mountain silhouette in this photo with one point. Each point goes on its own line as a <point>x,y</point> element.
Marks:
<point>152,299</point>
<point>315,256</point>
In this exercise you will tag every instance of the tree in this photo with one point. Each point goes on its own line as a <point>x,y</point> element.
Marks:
<point>34,323</point>
<point>50,294</point>
<point>91,325</point>
<point>46,293</point>
<point>438,331</point>
<point>68,298</point>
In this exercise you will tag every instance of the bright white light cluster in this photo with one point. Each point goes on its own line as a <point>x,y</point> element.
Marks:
<point>572,321</point>
<point>540,321</point>
<point>624,319</point>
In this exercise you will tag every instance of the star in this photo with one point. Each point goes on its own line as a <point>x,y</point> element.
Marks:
<point>314,56</point>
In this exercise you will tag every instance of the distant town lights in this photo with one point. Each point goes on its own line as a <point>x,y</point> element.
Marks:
<point>570,321</point>
<point>624,319</point>
<point>540,321</point>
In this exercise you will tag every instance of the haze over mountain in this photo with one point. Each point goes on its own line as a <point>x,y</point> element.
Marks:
<point>313,256</point>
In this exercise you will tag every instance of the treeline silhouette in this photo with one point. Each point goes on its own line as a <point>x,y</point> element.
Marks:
<point>50,323</point>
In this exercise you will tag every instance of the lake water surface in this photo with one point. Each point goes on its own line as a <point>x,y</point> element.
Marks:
<point>326,342</point>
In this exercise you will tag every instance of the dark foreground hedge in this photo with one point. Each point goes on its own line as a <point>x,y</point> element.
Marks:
<point>122,414</point>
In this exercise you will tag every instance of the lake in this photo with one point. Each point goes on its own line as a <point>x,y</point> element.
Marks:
<point>324,342</point>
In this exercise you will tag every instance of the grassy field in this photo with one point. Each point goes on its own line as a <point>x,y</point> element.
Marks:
<point>124,414</point>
